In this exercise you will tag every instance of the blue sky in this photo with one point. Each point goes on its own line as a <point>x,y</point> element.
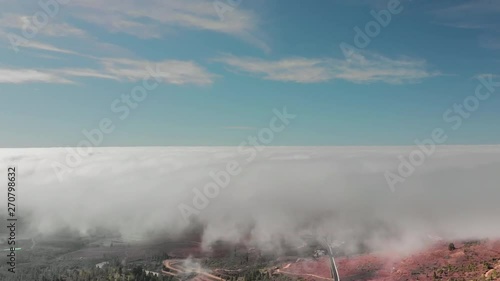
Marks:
<point>224,71</point>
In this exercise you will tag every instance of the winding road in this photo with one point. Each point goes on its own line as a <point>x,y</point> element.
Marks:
<point>176,268</point>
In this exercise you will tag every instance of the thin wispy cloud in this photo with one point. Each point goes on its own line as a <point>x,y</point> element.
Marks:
<point>86,47</point>
<point>154,18</point>
<point>36,45</point>
<point>17,23</point>
<point>117,23</point>
<point>240,128</point>
<point>84,72</point>
<point>149,19</point>
<point>486,76</point>
<point>490,40</point>
<point>474,15</point>
<point>472,12</point>
<point>20,76</point>
<point>300,70</point>
<point>469,14</point>
<point>168,72</point>
<point>359,68</point>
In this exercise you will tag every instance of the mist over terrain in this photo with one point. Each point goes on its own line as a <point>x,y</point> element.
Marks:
<point>278,197</point>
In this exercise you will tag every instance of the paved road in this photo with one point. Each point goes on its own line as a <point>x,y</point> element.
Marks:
<point>333,265</point>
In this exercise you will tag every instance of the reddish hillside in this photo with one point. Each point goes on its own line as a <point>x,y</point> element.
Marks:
<point>363,267</point>
<point>469,261</point>
<point>307,269</point>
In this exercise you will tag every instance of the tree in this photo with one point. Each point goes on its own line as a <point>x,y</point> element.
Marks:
<point>451,247</point>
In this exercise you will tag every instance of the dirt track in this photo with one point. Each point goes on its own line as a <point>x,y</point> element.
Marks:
<point>177,268</point>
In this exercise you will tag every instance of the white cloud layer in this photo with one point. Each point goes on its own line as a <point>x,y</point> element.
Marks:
<point>359,68</point>
<point>280,195</point>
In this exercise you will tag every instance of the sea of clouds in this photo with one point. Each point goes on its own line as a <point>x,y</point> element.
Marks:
<point>278,197</point>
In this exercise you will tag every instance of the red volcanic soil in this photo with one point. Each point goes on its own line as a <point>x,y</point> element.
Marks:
<point>363,267</point>
<point>201,278</point>
<point>473,260</point>
<point>469,261</point>
<point>307,269</point>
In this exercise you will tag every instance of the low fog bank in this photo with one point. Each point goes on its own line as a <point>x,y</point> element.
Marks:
<point>278,198</point>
